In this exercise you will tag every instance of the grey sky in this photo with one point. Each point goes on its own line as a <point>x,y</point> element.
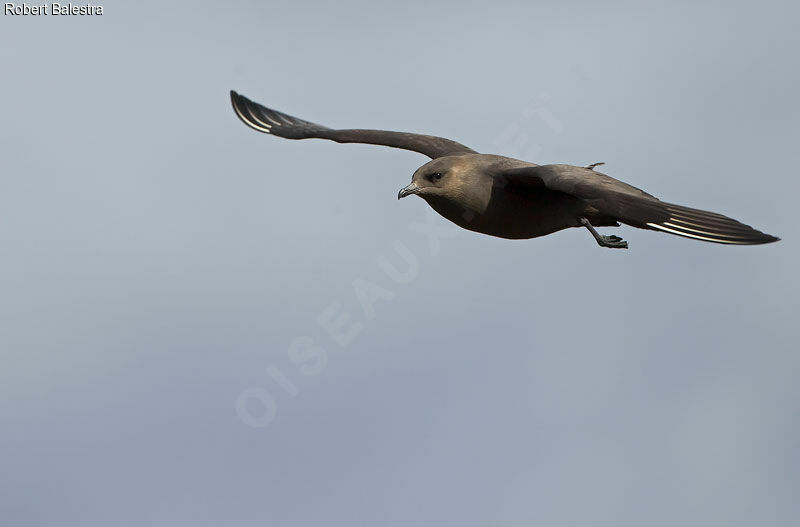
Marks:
<point>159,258</point>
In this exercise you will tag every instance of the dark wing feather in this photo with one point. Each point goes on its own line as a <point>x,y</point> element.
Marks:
<point>270,121</point>
<point>628,204</point>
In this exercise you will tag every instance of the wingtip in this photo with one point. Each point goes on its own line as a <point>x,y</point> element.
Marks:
<point>238,99</point>
<point>766,238</point>
<point>236,102</point>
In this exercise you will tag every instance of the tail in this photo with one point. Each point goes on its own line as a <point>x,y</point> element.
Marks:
<point>709,227</point>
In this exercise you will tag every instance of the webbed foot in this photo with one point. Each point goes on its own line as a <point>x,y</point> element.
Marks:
<point>613,242</point>
<point>610,241</point>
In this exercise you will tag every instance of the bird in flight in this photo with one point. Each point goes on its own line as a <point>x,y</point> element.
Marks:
<point>508,198</point>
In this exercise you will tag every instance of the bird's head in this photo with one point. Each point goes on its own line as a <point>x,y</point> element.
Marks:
<point>457,180</point>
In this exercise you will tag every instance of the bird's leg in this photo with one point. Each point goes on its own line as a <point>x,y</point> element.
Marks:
<point>614,242</point>
<point>591,167</point>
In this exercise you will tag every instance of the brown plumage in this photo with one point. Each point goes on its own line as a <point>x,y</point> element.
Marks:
<point>509,198</point>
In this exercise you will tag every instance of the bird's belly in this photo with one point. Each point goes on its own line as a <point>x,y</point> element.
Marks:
<point>513,218</point>
<point>519,224</point>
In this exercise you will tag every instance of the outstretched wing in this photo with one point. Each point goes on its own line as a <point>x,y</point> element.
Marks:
<point>270,121</point>
<point>633,206</point>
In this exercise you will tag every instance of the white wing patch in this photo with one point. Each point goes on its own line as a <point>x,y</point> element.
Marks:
<point>711,237</point>
<point>252,121</point>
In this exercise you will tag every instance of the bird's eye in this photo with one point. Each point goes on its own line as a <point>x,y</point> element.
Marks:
<point>436,176</point>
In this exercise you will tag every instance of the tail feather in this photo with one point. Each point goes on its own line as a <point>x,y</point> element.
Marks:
<point>709,226</point>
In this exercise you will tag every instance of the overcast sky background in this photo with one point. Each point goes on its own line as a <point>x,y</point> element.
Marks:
<point>159,258</point>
